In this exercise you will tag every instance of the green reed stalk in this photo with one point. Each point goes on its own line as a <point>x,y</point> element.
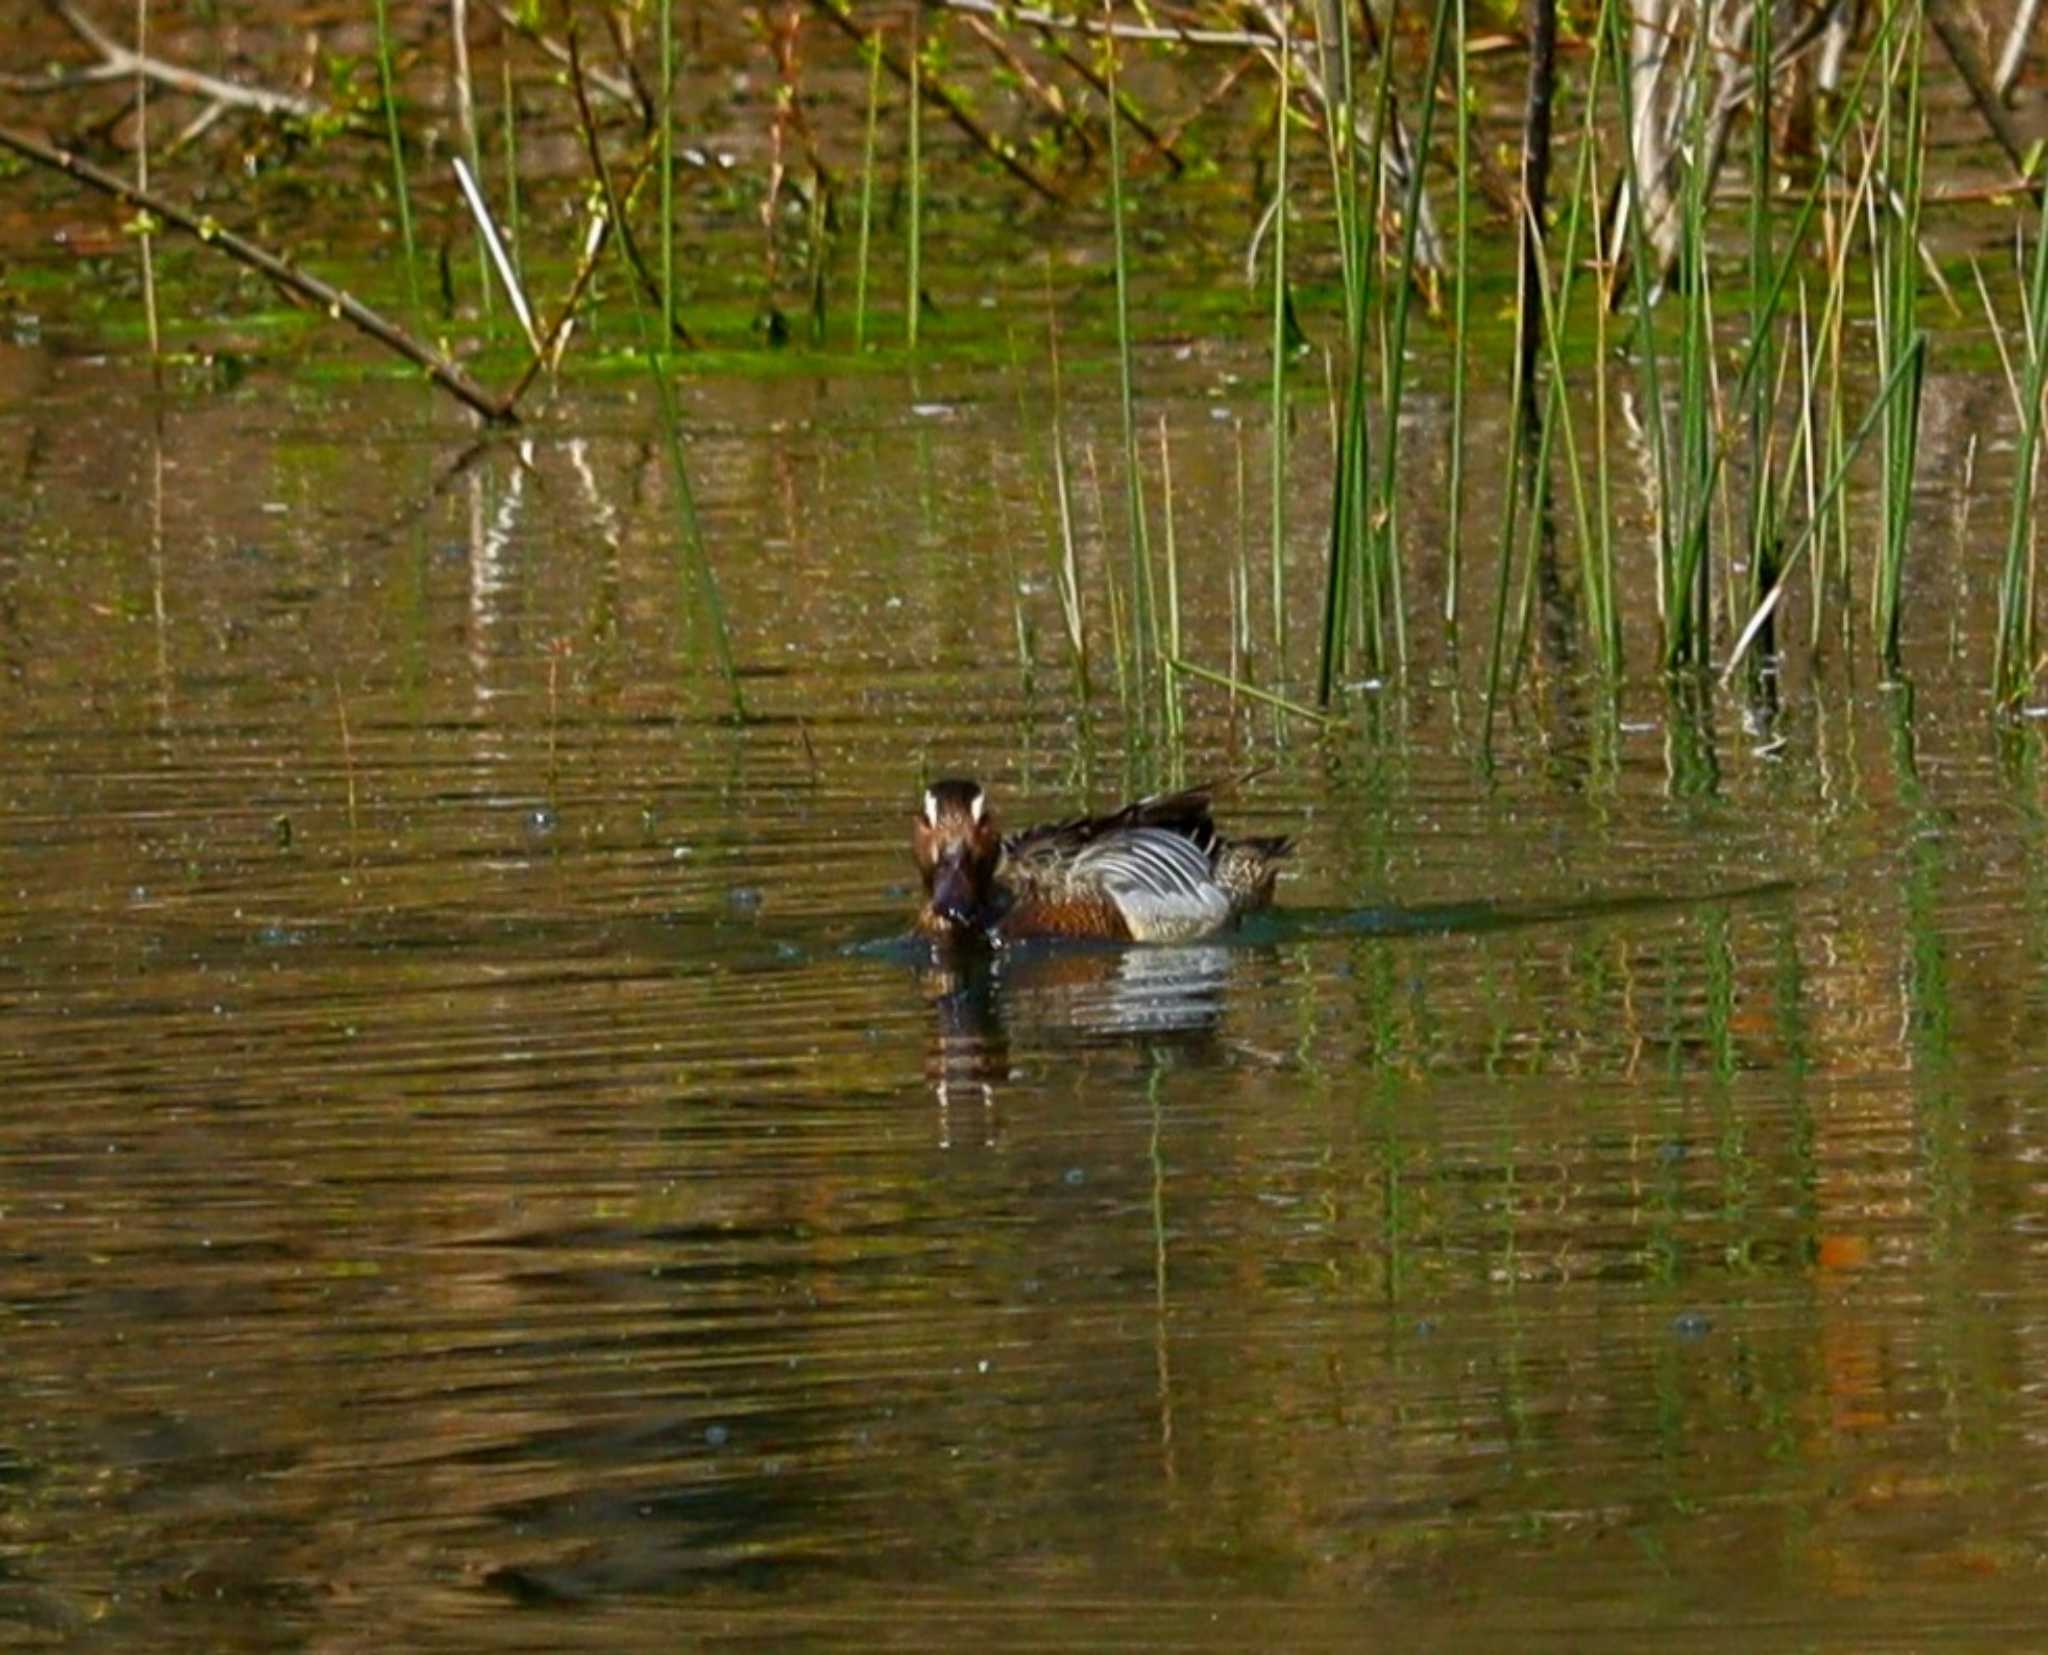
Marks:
<point>1830,442</point>
<point>1689,533</point>
<point>696,556</point>
<point>1120,645</point>
<point>1608,637</point>
<point>1454,531</point>
<point>1641,296</point>
<point>1903,373</point>
<point>1279,398</point>
<point>867,193</point>
<point>1687,628</point>
<point>1796,479</point>
<point>144,240</point>
<point>1764,530</point>
<point>654,354</point>
<point>1143,620</point>
<point>667,162</point>
<point>1067,569</point>
<point>1596,575</point>
<point>1832,332</point>
<point>1996,328</point>
<point>1531,300</point>
<point>1251,692</point>
<point>1801,477</point>
<point>1505,562</point>
<point>1352,597</point>
<point>509,139</point>
<point>1385,518</point>
<point>1898,263</point>
<point>1169,684</point>
<point>991,506</point>
<point>818,229</point>
<point>915,281</point>
<point>1783,486</point>
<point>1346,492</point>
<point>386,81</point>
<point>1539,531</point>
<point>1241,580</point>
<point>1381,587</point>
<point>2012,666</point>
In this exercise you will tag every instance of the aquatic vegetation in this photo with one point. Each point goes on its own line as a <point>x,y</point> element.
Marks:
<point>1701,385</point>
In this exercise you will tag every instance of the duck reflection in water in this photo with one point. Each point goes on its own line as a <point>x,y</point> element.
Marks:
<point>1165,995</point>
<point>1156,872</point>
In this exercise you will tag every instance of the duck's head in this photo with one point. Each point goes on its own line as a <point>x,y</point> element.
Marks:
<point>957,847</point>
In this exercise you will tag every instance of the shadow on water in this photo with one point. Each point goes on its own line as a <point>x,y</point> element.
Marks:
<point>1452,918</point>
<point>1170,997</point>
<point>1280,927</point>
<point>1162,986</point>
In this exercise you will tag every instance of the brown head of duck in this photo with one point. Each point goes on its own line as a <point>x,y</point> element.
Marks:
<point>958,849</point>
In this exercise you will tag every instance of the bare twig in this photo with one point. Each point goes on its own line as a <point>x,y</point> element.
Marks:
<point>1160,33</point>
<point>1990,106</point>
<point>616,201</point>
<point>1127,110</point>
<point>1226,83</point>
<point>936,92</point>
<point>610,85</point>
<point>117,62</point>
<point>330,299</point>
<point>1046,92</point>
<point>196,128</point>
<point>550,352</point>
<point>618,23</point>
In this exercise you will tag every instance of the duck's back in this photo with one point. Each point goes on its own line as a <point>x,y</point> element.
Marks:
<point>1155,871</point>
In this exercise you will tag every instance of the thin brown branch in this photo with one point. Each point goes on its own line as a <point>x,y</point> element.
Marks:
<point>618,24</point>
<point>610,85</point>
<point>1046,92</point>
<point>551,346</point>
<point>1990,106</point>
<point>1156,142</point>
<point>1226,83</point>
<point>616,201</point>
<point>935,92</point>
<point>330,299</point>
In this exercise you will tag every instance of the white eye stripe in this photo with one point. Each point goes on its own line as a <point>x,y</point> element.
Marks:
<point>931,808</point>
<point>976,805</point>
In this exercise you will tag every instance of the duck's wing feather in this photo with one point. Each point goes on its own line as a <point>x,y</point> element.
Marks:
<point>1185,814</point>
<point>1162,881</point>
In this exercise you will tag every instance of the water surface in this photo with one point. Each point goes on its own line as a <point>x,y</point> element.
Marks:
<point>480,1166</point>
